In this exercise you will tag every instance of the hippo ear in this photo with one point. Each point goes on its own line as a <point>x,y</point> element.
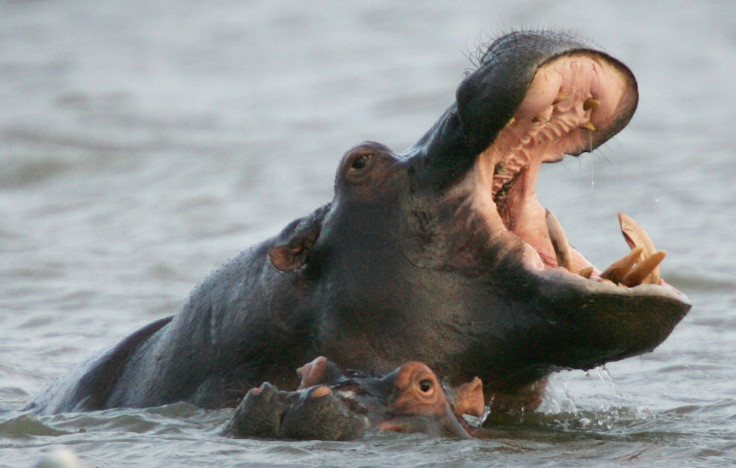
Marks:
<point>289,258</point>
<point>469,398</point>
<point>296,241</point>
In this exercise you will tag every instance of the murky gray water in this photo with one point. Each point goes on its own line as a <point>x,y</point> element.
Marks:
<point>143,143</point>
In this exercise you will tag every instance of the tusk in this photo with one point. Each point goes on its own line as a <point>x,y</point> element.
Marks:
<point>620,268</point>
<point>642,274</point>
<point>559,241</point>
<point>635,235</point>
<point>586,272</point>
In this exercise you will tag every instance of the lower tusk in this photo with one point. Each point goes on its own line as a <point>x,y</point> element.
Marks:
<point>644,271</point>
<point>635,235</point>
<point>619,269</point>
<point>586,272</point>
<point>559,241</point>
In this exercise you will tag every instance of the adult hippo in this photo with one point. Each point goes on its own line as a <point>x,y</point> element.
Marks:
<point>442,254</point>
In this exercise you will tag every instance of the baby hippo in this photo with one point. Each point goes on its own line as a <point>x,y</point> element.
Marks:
<point>334,405</point>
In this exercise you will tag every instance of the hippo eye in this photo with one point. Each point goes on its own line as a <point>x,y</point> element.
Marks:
<point>357,166</point>
<point>425,386</point>
<point>360,161</point>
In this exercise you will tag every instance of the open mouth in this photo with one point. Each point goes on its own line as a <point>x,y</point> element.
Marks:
<point>574,103</point>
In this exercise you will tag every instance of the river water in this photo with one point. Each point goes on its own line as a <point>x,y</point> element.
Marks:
<point>144,143</point>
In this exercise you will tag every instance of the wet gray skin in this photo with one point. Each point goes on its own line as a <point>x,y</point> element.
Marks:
<point>441,254</point>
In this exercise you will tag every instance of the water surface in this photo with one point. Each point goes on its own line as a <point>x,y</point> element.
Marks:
<point>144,143</point>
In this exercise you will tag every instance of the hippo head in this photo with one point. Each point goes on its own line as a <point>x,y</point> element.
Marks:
<point>331,406</point>
<point>412,399</point>
<point>444,254</point>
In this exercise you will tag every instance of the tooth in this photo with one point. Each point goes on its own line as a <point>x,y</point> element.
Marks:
<point>619,269</point>
<point>500,168</point>
<point>561,96</point>
<point>559,241</point>
<point>511,122</point>
<point>591,104</point>
<point>586,272</point>
<point>643,273</point>
<point>546,114</point>
<point>588,126</point>
<point>636,235</point>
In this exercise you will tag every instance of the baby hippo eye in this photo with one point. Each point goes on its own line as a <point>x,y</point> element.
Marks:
<point>425,386</point>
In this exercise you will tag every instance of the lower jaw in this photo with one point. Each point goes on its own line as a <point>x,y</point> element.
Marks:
<point>547,247</point>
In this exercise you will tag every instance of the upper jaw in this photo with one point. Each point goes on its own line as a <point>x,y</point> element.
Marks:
<point>502,88</point>
<point>535,97</point>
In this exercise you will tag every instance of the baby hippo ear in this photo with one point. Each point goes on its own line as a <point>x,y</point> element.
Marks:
<point>296,241</point>
<point>469,398</point>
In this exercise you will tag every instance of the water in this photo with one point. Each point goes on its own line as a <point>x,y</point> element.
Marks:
<point>144,143</point>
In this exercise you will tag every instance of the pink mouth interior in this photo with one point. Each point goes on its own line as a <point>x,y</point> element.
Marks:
<point>570,98</point>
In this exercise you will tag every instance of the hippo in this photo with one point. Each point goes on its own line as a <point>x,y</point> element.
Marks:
<point>330,404</point>
<point>441,254</point>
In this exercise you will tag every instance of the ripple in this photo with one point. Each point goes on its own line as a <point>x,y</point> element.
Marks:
<point>176,418</point>
<point>26,426</point>
<point>25,173</point>
<point>712,282</point>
